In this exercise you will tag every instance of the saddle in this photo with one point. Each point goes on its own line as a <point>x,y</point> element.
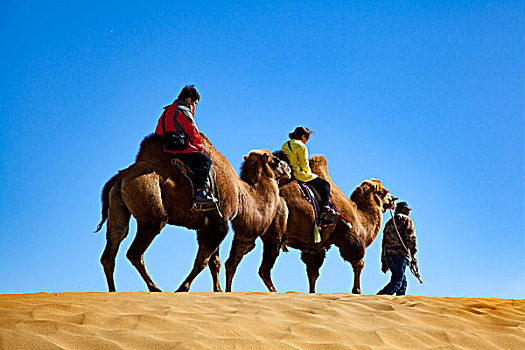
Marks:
<point>312,197</point>
<point>211,186</point>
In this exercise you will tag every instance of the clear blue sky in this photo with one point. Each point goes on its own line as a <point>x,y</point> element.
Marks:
<point>427,96</point>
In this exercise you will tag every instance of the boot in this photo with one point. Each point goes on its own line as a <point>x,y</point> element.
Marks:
<point>202,197</point>
<point>327,213</point>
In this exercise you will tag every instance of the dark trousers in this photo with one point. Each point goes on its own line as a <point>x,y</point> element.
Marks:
<point>199,163</point>
<point>322,187</point>
<point>398,281</point>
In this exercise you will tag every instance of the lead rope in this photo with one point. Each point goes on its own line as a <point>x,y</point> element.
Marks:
<point>412,264</point>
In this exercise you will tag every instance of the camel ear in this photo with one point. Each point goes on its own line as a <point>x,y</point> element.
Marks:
<point>266,157</point>
<point>245,157</point>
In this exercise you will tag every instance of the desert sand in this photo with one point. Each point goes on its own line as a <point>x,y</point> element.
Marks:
<point>257,321</point>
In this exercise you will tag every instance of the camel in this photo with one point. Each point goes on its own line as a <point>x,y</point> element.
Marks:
<point>247,231</point>
<point>364,210</point>
<point>155,194</point>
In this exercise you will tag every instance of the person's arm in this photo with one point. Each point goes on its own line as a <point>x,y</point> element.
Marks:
<point>302,157</point>
<point>410,236</point>
<point>191,131</point>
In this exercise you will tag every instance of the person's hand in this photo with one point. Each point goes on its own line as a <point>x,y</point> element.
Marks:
<point>384,268</point>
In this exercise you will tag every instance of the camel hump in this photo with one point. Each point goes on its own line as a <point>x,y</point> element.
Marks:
<point>319,165</point>
<point>280,154</point>
<point>318,160</point>
<point>150,148</point>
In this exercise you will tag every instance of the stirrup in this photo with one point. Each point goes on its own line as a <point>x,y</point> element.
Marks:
<point>205,206</point>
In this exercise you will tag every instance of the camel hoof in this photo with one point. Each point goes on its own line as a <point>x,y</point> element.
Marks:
<point>356,291</point>
<point>271,288</point>
<point>154,289</point>
<point>183,288</point>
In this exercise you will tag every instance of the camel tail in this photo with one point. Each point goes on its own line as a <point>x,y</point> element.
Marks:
<point>105,199</point>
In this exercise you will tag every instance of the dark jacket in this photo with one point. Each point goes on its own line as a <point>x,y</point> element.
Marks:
<point>391,243</point>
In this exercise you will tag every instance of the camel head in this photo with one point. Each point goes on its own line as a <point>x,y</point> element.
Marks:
<point>373,190</point>
<point>389,202</point>
<point>262,163</point>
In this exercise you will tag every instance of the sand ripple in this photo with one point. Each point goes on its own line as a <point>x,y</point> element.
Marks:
<point>257,321</point>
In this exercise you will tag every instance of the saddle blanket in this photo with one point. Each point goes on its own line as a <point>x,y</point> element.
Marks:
<point>211,184</point>
<point>309,195</point>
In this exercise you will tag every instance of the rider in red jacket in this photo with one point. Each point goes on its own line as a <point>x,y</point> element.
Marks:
<point>182,112</point>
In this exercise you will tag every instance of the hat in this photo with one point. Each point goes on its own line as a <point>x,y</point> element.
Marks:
<point>300,131</point>
<point>402,206</point>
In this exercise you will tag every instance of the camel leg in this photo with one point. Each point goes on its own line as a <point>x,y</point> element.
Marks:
<point>352,249</point>
<point>313,264</point>
<point>238,250</point>
<point>117,230</point>
<point>271,247</point>
<point>215,266</point>
<point>358,266</point>
<point>146,232</point>
<point>209,238</point>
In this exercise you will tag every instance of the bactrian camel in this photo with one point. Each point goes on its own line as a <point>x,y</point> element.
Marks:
<point>155,193</point>
<point>364,209</point>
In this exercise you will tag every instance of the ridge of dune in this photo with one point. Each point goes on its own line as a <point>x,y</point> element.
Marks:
<point>254,320</point>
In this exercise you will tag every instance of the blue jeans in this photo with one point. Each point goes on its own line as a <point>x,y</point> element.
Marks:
<point>398,281</point>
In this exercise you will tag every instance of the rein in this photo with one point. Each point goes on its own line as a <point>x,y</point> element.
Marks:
<point>413,263</point>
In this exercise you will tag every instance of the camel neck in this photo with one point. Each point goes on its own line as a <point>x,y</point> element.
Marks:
<point>372,218</point>
<point>257,203</point>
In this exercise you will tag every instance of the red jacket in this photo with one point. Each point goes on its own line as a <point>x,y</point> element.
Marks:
<point>184,115</point>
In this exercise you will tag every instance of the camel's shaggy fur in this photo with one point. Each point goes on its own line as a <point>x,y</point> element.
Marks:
<point>364,210</point>
<point>156,194</point>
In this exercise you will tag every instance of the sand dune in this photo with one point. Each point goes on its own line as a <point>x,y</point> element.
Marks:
<point>257,321</point>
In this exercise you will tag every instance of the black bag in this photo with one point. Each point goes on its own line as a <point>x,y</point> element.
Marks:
<point>173,141</point>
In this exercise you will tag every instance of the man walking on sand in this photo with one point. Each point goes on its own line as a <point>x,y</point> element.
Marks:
<point>395,256</point>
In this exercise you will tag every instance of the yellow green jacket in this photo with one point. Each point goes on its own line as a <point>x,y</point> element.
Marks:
<point>298,157</point>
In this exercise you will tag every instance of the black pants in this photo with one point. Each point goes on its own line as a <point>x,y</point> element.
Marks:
<point>322,187</point>
<point>199,163</point>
